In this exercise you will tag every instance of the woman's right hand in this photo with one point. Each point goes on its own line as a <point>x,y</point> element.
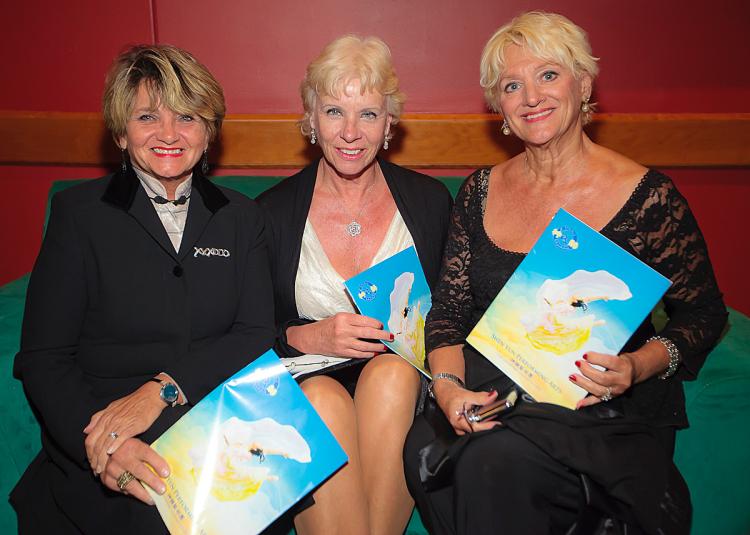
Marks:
<point>135,456</point>
<point>341,335</point>
<point>454,401</point>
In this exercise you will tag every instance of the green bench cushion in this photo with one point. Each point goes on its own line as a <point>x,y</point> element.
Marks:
<point>713,454</point>
<point>18,428</point>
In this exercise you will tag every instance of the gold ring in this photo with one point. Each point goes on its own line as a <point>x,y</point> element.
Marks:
<point>124,479</point>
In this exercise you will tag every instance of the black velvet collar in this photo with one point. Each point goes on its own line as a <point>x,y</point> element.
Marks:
<point>123,187</point>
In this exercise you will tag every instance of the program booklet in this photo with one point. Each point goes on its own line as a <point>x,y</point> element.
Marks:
<point>395,292</point>
<point>576,291</point>
<point>244,454</point>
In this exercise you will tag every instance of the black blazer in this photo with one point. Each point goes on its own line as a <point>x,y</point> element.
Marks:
<point>111,304</point>
<point>424,203</point>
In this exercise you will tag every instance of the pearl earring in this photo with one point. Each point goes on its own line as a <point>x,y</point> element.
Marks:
<point>505,129</point>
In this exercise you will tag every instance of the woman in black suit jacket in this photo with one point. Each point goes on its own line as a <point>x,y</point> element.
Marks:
<point>152,286</point>
<point>335,218</point>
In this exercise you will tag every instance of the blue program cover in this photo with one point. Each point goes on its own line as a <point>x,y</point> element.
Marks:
<point>576,291</point>
<point>395,292</point>
<point>244,454</point>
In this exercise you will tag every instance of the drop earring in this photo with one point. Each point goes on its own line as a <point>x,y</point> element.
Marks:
<point>124,164</point>
<point>385,144</point>
<point>313,137</point>
<point>585,107</point>
<point>505,129</point>
<point>204,162</point>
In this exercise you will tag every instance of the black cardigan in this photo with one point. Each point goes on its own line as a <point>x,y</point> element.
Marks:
<point>423,202</point>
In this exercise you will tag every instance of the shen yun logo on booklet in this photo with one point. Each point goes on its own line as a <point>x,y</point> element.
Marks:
<point>244,454</point>
<point>576,291</point>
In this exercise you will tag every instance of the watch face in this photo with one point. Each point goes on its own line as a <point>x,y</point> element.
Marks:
<point>169,393</point>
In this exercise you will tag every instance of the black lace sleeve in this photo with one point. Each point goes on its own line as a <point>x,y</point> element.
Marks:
<point>450,318</point>
<point>663,232</point>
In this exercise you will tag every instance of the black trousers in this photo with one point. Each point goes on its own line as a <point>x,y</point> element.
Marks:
<point>502,483</point>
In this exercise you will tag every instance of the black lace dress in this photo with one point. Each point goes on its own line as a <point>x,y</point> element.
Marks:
<point>655,224</point>
<point>624,446</point>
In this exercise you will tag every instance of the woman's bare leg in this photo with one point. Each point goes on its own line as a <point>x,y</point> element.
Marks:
<point>340,505</point>
<point>385,398</point>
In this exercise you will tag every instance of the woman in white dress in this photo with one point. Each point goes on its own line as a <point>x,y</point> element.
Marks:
<point>342,214</point>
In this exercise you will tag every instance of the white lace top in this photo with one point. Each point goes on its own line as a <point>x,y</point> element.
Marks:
<point>319,289</point>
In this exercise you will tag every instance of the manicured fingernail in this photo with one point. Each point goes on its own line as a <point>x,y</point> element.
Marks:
<point>162,489</point>
<point>110,451</point>
<point>391,337</point>
<point>578,363</point>
<point>572,378</point>
<point>164,473</point>
<point>585,356</point>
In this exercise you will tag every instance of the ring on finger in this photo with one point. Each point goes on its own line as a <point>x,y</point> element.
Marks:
<point>114,435</point>
<point>607,396</point>
<point>125,478</point>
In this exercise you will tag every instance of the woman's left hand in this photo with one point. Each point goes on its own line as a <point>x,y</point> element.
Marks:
<point>122,419</point>
<point>604,384</point>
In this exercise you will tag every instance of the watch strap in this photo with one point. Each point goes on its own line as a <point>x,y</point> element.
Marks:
<point>446,376</point>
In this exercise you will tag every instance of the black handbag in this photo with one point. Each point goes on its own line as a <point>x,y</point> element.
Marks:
<point>437,459</point>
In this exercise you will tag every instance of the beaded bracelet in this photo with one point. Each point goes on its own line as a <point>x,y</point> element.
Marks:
<point>674,356</point>
<point>448,377</point>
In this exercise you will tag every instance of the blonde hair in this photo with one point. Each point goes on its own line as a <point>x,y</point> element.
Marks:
<point>172,77</point>
<point>548,36</point>
<point>349,58</point>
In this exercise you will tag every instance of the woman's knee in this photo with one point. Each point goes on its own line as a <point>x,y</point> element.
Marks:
<point>330,399</point>
<point>391,375</point>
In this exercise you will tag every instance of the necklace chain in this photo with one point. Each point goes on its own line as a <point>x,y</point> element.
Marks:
<point>354,227</point>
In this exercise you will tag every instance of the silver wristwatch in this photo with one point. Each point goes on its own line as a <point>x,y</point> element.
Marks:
<point>448,377</point>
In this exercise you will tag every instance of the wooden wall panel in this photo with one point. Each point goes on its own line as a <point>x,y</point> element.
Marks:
<point>421,140</point>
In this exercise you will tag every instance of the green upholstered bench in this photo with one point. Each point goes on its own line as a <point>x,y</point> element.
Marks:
<point>713,454</point>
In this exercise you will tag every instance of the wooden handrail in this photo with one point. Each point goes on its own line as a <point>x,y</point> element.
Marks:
<point>421,140</point>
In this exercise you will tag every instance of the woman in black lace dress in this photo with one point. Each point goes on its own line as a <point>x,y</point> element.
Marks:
<point>547,468</point>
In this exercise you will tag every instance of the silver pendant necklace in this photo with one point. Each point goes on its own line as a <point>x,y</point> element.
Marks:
<point>354,228</point>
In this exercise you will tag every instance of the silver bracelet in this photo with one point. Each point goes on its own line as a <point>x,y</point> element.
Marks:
<point>674,355</point>
<point>448,377</point>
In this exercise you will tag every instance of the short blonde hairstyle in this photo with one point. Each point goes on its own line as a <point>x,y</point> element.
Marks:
<point>548,36</point>
<point>349,58</point>
<point>172,77</point>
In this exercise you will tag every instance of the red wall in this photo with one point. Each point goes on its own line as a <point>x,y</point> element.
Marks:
<point>668,56</point>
